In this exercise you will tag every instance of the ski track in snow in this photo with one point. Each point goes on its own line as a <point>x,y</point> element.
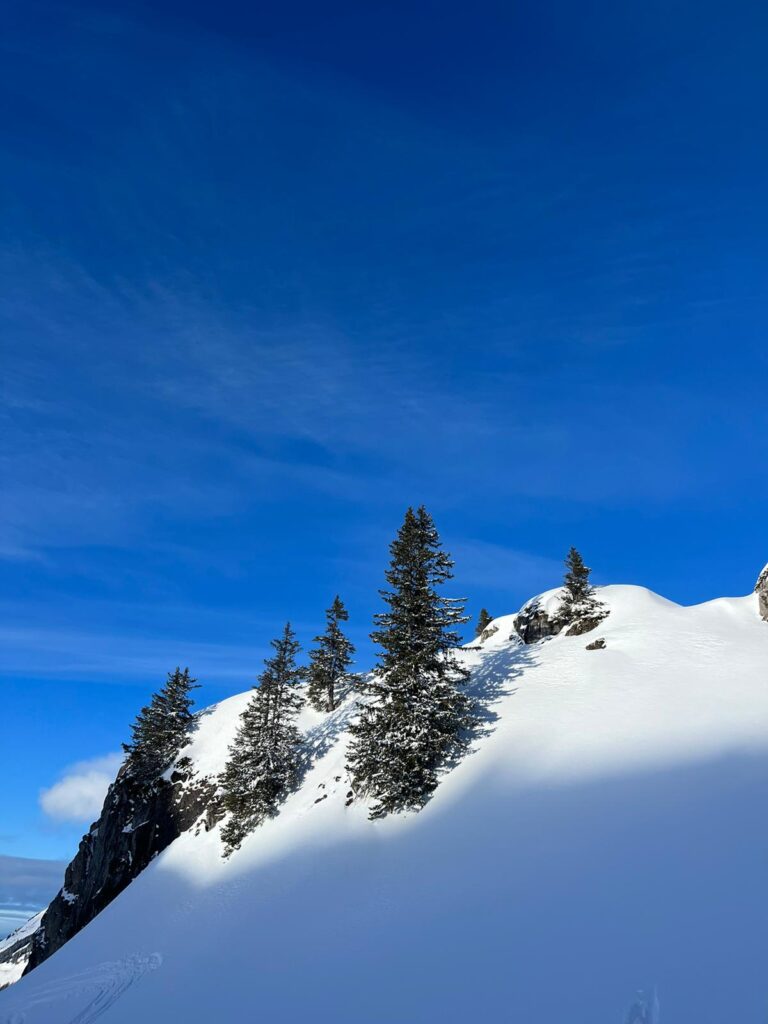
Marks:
<point>102,985</point>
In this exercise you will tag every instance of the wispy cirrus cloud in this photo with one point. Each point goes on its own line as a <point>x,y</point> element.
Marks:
<point>503,569</point>
<point>43,652</point>
<point>228,398</point>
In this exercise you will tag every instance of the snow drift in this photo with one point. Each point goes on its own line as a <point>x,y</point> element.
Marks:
<point>607,833</point>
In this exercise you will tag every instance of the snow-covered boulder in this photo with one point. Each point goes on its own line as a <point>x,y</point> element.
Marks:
<point>541,617</point>
<point>587,622</point>
<point>761,589</point>
<point>596,645</point>
<point>545,615</point>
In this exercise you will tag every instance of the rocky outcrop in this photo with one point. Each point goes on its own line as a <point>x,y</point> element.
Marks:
<point>761,589</point>
<point>596,645</point>
<point>535,621</point>
<point>586,623</point>
<point>138,820</point>
<point>547,616</point>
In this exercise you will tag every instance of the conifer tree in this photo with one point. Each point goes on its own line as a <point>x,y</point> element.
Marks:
<point>161,728</point>
<point>264,759</point>
<point>484,619</point>
<point>330,660</point>
<point>417,715</point>
<point>579,600</point>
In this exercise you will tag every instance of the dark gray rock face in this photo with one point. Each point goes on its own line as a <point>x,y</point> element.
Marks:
<point>137,822</point>
<point>596,645</point>
<point>533,623</point>
<point>761,589</point>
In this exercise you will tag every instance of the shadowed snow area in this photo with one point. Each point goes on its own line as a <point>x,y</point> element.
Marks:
<point>607,833</point>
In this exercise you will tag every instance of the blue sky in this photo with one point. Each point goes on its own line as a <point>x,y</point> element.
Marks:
<point>271,275</point>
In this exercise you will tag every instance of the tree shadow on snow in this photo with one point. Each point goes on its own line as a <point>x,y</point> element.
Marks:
<point>318,740</point>
<point>494,678</point>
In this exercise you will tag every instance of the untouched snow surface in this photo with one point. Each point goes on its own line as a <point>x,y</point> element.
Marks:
<point>607,833</point>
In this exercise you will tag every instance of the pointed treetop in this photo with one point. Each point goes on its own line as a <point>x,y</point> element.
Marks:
<point>161,728</point>
<point>579,599</point>
<point>329,661</point>
<point>484,620</point>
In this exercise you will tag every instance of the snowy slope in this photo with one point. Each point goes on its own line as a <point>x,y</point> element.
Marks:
<point>13,969</point>
<point>607,833</point>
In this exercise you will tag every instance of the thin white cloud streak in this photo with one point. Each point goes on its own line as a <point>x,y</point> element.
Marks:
<point>308,382</point>
<point>34,651</point>
<point>483,564</point>
<point>78,796</point>
<point>303,406</point>
<point>293,407</point>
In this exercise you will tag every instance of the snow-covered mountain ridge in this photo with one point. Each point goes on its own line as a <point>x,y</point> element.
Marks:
<point>604,833</point>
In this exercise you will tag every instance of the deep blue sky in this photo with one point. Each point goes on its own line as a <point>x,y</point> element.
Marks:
<point>270,273</point>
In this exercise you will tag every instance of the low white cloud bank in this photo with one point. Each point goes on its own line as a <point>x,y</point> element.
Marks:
<point>79,794</point>
<point>26,885</point>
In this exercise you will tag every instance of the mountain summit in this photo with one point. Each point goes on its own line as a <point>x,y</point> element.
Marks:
<point>604,831</point>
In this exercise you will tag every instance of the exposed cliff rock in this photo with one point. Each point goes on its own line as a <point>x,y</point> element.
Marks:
<point>137,822</point>
<point>761,589</point>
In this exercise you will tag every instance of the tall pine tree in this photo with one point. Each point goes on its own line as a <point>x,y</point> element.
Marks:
<point>417,715</point>
<point>330,660</point>
<point>579,600</point>
<point>264,758</point>
<point>161,728</point>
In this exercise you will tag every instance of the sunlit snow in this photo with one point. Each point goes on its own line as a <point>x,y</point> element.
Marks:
<point>607,833</point>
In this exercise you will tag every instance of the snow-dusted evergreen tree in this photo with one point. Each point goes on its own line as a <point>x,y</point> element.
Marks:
<point>417,715</point>
<point>330,660</point>
<point>484,620</point>
<point>264,758</point>
<point>161,728</point>
<point>579,600</point>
